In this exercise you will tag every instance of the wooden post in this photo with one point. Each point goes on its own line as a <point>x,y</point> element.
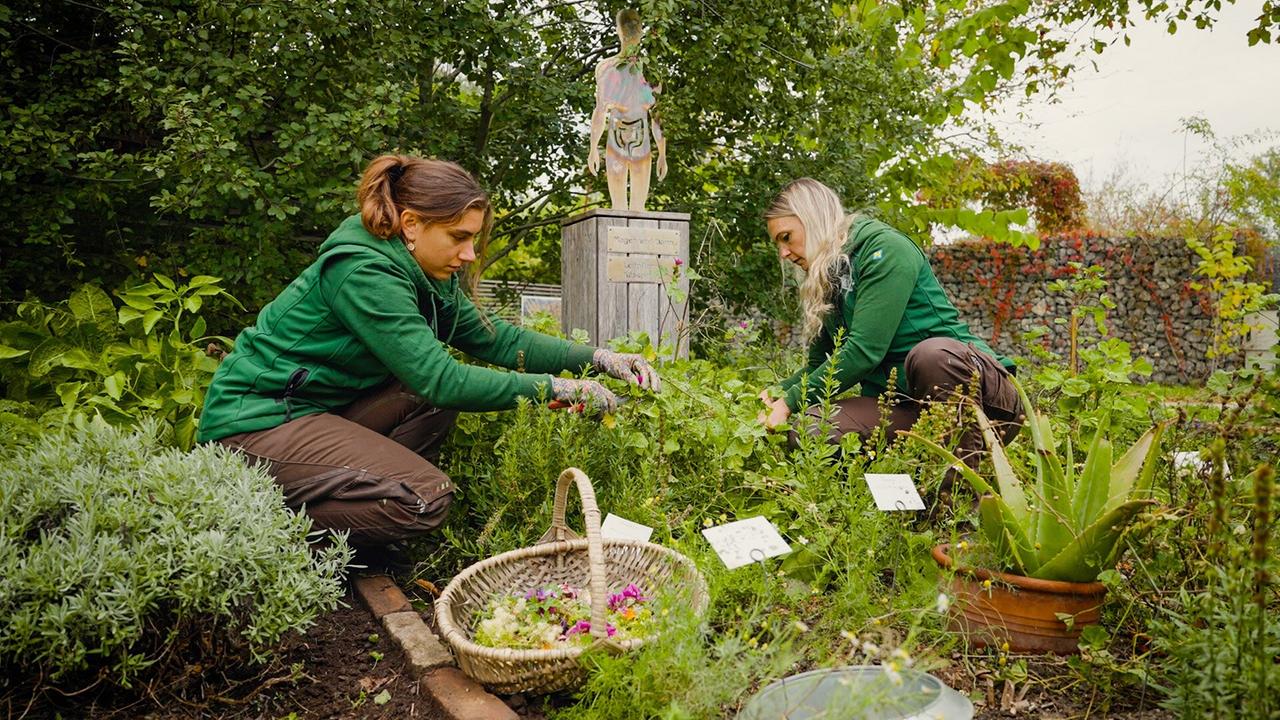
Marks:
<point>617,269</point>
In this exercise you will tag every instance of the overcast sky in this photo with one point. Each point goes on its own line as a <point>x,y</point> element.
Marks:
<point>1127,113</point>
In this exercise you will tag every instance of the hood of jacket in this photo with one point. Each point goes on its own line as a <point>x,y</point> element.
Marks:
<point>435,296</point>
<point>351,237</point>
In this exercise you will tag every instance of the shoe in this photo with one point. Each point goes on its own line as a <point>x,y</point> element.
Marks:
<point>389,559</point>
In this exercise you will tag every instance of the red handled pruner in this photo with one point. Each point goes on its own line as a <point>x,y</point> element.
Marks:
<point>580,407</point>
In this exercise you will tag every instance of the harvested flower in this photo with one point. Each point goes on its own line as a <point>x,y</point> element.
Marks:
<point>559,616</point>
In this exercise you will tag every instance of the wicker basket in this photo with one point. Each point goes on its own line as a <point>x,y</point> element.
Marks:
<point>561,556</point>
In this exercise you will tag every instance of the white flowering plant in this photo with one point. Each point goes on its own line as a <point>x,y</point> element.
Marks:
<point>547,618</point>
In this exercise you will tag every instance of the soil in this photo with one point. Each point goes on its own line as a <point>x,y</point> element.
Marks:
<point>1045,694</point>
<point>330,672</point>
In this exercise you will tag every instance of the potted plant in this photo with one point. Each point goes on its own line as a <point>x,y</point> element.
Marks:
<point>1048,536</point>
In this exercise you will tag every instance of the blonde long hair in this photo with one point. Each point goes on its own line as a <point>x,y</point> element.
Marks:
<point>826,228</point>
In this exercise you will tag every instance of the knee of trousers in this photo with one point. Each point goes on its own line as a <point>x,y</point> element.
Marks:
<point>426,519</point>
<point>937,364</point>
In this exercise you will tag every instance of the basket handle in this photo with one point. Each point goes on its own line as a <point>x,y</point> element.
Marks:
<point>559,531</point>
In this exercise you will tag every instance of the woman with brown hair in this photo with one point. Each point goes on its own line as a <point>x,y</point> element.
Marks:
<point>344,388</point>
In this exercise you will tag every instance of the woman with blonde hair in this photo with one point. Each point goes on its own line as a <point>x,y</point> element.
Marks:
<point>344,387</point>
<point>871,285</point>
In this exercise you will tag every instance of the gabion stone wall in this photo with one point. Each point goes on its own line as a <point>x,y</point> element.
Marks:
<point>1003,292</point>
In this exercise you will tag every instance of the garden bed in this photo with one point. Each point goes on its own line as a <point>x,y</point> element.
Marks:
<point>339,669</point>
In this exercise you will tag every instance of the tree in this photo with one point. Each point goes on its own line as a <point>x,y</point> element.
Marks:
<point>225,136</point>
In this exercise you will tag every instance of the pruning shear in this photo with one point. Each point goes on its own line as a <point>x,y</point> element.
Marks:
<point>581,407</point>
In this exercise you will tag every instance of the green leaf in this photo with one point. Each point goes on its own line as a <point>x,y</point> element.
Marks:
<point>1094,488</point>
<point>78,359</point>
<point>90,304</point>
<point>165,281</point>
<point>138,301</point>
<point>1052,531</point>
<point>1134,473</point>
<point>114,385</point>
<point>202,280</point>
<point>1076,387</point>
<point>1054,526</point>
<point>7,352</point>
<point>1085,556</point>
<point>46,356</point>
<point>1009,536</point>
<point>128,314</point>
<point>1007,481</point>
<point>69,392</point>
<point>149,320</point>
<point>184,432</point>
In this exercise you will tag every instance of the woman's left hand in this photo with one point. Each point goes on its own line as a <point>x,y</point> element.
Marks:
<point>627,366</point>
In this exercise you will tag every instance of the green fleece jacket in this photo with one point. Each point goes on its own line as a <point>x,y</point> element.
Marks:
<point>886,302</point>
<point>362,313</point>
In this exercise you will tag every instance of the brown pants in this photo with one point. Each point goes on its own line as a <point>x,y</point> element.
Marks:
<point>936,368</point>
<point>368,469</point>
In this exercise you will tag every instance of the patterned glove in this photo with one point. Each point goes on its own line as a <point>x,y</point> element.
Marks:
<point>589,393</point>
<point>630,367</point>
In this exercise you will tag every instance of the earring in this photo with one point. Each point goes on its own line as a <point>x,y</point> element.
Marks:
<point>409,246</point>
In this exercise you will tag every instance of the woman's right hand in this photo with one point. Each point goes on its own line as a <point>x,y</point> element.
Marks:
<point>590,393</point>
<point>593,161</point>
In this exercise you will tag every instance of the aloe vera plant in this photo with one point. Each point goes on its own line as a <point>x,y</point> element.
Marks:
<point>1061,524</point>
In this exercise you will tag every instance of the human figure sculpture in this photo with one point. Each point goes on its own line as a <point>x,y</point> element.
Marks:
<point>624,100</point>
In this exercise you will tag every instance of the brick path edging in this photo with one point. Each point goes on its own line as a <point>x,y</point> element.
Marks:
<point>459,697</point>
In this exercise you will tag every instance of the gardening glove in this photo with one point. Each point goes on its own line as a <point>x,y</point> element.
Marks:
<point>588,393</point>
<point>627,366</point>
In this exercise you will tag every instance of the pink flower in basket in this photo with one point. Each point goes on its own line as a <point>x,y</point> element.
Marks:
<point>629,596</point>
<point>583,627</point>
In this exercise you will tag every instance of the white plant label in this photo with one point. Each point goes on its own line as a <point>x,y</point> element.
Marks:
<point>1189,461</point>
<point>894,492</point>
<point>746,541</point>
<point>620,528</point>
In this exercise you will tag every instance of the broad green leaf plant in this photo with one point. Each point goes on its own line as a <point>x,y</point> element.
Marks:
<point>1060,524</point>
<point>143,359</point>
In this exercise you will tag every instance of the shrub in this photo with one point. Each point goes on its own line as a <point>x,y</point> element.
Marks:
<point>122,558</point>
<point>86,357</point>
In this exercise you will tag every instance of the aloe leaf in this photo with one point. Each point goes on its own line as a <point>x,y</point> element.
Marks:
<point>1039,434</point>
<point>1086,555</point>
<point>1134,473</point>
<point>1054,521</point>
<point>1006,480</point>
<point>1069,467</point>
<point>1007,536</point>
<point>1095,479</point>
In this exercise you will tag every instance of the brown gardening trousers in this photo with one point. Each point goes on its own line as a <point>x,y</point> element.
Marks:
<point>936,369</point>
<point>369,469</point>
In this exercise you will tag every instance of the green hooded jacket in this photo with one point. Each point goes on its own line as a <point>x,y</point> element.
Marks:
<point>362,313</point>
<point>886,301</point>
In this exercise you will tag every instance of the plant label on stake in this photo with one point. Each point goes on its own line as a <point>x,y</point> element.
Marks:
<point>1186,462</point>
<point>894,492</point>
<point>746,541</point>
<point>619,528</point>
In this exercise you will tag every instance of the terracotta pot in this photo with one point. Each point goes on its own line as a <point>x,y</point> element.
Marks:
<point>1019,610</point>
